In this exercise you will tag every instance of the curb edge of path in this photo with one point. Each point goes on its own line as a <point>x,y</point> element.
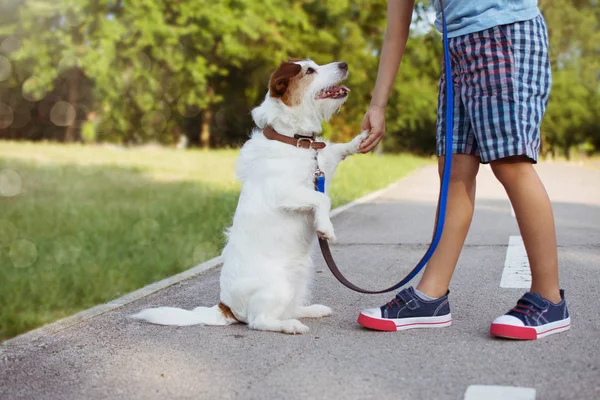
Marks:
<point>82,316</point>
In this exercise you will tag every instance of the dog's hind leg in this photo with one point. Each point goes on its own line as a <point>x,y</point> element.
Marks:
<point>302,282</point>
<point>312,311</point>
<point>266,308</point>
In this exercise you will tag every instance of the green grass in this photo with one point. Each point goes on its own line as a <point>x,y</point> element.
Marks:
<point>89,224</point>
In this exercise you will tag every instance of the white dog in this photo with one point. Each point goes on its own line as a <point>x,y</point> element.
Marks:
<point>267,265</point>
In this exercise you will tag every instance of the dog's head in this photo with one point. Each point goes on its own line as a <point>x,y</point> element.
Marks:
<point>302,94</point>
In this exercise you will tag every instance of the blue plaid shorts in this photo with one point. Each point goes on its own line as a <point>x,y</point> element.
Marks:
<point>502,81</point>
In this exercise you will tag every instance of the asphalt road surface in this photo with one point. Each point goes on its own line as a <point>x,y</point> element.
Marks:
<point>111,357</point>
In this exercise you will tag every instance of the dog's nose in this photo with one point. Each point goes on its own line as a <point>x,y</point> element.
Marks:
<point>343,66</point>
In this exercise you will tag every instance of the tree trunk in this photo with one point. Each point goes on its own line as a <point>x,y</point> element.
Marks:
<point>207,117</point>
<point>205,129</point>
<point>72,131</point>
<point>566,151</point>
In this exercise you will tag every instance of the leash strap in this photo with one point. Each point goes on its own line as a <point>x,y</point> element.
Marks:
<point>443,196</point>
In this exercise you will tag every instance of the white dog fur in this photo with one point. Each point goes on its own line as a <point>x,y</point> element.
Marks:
<point>267,266</point>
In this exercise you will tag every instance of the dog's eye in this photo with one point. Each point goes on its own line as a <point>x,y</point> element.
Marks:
<point>310,71</point>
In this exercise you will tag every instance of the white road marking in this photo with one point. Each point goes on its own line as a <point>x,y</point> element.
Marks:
<point>516,273</point>
<point>490,392</point>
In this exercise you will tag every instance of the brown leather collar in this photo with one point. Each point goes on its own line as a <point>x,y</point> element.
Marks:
<point>303,142</point>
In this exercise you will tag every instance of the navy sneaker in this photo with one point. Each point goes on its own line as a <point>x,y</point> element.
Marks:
<point>533,318</point>
<point>408,311</point>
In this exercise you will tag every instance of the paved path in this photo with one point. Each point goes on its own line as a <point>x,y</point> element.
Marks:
<point>110,357</point>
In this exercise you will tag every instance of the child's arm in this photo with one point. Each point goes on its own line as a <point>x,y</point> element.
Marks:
<point>399,16</point>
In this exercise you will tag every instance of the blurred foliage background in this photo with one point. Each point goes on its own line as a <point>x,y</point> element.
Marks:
<point>187,72</point>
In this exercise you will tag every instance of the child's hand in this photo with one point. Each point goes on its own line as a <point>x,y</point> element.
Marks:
<point>374,122</point>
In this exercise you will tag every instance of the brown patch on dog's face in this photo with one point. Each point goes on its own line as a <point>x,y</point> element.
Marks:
<point>226,311</point>
<point>280,79</point>
<point>290,82</point>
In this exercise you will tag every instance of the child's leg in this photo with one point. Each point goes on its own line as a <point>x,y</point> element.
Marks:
<point>536,222</point>
<point>543,310</point>
<point>429,307</point>
<point>459,212</point>
<point>507,90</point>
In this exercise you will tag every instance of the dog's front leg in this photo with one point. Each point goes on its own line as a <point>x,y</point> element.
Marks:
<point>334,153</point>
<point>303,199</point>
<point>352,147</point>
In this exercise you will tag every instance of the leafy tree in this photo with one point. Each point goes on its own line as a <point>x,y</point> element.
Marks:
<point>572,116</point>
<point>152,70</point>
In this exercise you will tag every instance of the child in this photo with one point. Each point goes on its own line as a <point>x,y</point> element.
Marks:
<point>502,78</point>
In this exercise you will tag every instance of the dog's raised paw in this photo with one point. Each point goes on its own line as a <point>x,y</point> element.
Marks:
<point>325,230</point>
<point>363,135</point>
<point>355,143</point>
<point>293,327</point>
<point>329,236</point>
<point>359,138</point>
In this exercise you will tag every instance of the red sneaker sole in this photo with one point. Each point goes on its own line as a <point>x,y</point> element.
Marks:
<point>528,333</point>
<point>513,332</point>
<point>376,324</point>
<point>408,323</point>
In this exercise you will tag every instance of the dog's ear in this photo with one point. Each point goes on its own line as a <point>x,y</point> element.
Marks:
<point>280,79</point>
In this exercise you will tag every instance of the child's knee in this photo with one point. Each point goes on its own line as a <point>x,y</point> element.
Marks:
<point>509,170</point>
<point>464,168</point>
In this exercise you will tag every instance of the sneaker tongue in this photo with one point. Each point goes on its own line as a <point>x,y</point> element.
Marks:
<point>535,299</point>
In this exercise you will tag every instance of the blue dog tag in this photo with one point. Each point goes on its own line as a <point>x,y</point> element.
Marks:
<point>320,183</point>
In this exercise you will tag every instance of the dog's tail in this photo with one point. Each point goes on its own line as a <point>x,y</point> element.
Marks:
<point>217,315</point>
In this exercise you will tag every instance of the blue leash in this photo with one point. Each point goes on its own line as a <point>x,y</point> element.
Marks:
<point>443,197</point>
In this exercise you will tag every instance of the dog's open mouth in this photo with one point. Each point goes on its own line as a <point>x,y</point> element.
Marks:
<point>333,92</point>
